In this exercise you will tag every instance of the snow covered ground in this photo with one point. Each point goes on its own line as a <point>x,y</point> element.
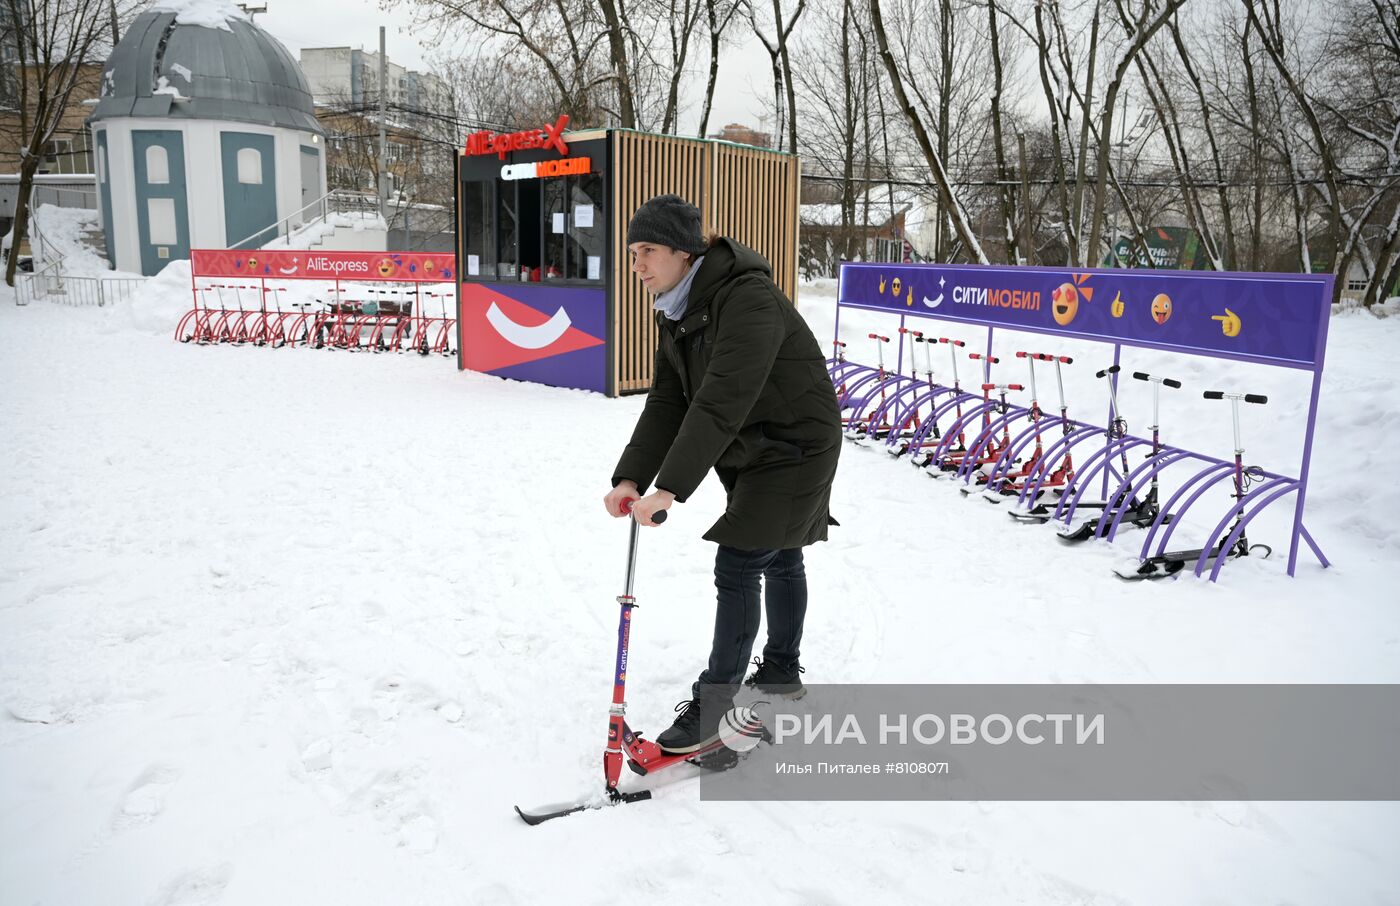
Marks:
<point>294,626</point>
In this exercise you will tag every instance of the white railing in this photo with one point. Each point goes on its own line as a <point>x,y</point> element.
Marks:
<point>336,201</point>
<point>51,284</point>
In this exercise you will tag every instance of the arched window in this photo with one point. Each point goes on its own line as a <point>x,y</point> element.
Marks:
<point>250,166</point>
<point>157,165</point>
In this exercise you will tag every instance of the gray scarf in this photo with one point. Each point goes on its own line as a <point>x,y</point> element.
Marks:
<point>672,302</point>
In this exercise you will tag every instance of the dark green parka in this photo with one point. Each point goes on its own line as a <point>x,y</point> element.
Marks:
<point>741,386</point>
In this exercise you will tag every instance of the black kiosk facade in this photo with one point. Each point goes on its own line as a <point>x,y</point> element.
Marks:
<point>545,291</point>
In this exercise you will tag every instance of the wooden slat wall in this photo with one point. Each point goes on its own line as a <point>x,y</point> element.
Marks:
<point>748,194</point>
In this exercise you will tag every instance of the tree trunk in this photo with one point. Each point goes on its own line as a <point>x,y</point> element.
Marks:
<point>617,45</point>
<point>947,199</point>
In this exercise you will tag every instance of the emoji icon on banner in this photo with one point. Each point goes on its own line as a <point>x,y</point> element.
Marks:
<point>386,267</point>
<point>1161,308</point>
<point>252,264</point>
<point>895,287</point>
<point>910,302</point>
<point>1116,307</point>
<point>1230,323</point>
<point>882,284</point>
<point>1064,303</point>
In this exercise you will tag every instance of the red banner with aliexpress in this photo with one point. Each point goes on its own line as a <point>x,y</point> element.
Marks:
<point>302,264</point>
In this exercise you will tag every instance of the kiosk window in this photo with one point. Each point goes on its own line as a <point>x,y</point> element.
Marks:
<point>528,192</point>
<point>480,245</point>
<point>509,225</point>
<point>555,220</point>
<point>585,226</point>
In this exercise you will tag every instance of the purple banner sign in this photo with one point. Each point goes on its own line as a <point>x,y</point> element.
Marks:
<point>1276,319</point>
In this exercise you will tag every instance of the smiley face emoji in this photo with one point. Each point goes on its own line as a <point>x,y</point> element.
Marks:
<point>386,267</point>
<point>895,286</point>
<point>1064,303</point>
<point>428,265</point>
<point>252,264</point>
<point>1161,308</point>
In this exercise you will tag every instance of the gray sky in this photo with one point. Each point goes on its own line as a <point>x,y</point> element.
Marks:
<point>744,79</point>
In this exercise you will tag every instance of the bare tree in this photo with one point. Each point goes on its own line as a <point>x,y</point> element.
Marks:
<point>784,97</point>
<point>718,16</point>
<point>52,39</point>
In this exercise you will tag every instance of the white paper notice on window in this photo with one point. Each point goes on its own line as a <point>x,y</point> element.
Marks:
<point>473,265</point>
<point>559,222</point>
<point>583,216</point>
<point>595,267</point>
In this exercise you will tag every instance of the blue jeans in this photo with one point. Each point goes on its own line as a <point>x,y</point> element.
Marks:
<point>737,575</point>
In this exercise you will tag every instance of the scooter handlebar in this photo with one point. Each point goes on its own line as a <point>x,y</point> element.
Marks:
<point>1022,355</point>
<point>1111,369</point>
<point>658,517</point>
<point>979,356</point>
<point>954,342</point>
<point>910,330</point>
<point>1255,398</point>
<point>876,336</point>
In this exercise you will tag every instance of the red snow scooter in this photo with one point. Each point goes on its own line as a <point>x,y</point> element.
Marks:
<point>644,756</point>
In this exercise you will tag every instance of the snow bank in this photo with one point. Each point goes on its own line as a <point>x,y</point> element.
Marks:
<point>62,232</point>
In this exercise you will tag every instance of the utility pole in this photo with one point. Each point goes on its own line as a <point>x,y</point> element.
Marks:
<point>1027,245</point>
<point>383,140</point>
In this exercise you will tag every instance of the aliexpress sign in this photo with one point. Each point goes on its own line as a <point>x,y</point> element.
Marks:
<point>503,143</point>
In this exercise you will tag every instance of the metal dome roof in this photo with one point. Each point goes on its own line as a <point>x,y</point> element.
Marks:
<point>240,73</point>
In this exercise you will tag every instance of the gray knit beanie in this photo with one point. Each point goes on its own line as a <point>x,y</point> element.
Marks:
<point>668,220</point>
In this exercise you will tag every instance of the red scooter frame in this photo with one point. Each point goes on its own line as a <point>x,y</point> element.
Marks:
<point>643,756</point>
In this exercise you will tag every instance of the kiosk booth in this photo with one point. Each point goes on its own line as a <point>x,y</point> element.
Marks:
<point>546,293</point>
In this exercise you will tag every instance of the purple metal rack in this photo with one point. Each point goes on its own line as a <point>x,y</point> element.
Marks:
<point>1272,319</point>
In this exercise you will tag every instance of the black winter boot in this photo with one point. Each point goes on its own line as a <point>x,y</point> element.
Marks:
<point>698,724</point>
<point>773,680</point>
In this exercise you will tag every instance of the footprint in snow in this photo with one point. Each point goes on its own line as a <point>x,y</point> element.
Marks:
<point>195,888</point>
<point>145,801</point>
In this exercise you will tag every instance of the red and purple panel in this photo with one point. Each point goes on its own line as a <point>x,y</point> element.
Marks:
<point>531,332</point>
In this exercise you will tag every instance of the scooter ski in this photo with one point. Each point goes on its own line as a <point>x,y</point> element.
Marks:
<point>1143,513</point>
<point>1173,562</point>
<point>643,756</point>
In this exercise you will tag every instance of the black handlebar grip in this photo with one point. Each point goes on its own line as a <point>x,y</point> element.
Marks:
<point>1213,395</point>
<point>1255,398</point>
<point>1142,375</point>
<point>1175,385</point>
<point>658,517</point>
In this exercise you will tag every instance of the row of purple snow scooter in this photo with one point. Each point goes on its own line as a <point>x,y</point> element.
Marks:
<point>1026,456</point>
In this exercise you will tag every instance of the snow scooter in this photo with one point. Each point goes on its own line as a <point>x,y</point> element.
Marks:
<point>993,449</point>
<point>644,756</point>
<point>928,389</point>
<point>953,346</point>
<point>1173,562</point>
<point>1061,476</point>
<point>953,461</point>
<point>1116,430</point>
<point>1139,513</point>
<point>1011,484</point>
<point>861,424</point>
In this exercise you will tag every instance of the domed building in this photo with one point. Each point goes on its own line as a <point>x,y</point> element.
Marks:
<point>206,137</point>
